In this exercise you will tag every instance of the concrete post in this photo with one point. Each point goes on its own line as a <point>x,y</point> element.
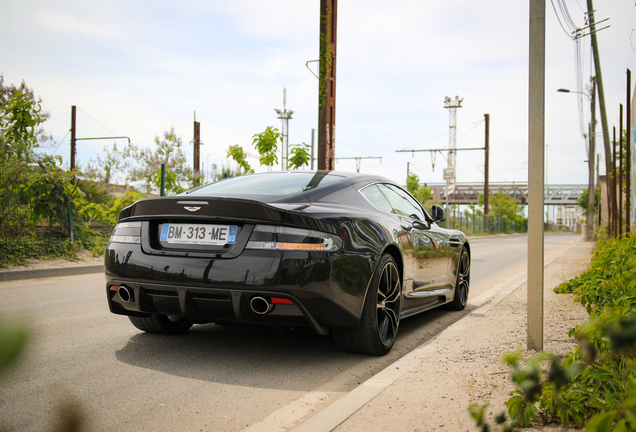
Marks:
<point>536,160</point>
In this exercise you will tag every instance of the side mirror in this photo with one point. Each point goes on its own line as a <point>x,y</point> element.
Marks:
<point>419,225</point>
<point>438,214</point>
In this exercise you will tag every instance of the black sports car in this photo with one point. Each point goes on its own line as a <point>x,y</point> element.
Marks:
<point>343,253</point>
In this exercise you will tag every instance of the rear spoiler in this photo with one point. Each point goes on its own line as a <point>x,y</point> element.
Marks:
<point>180,206</point>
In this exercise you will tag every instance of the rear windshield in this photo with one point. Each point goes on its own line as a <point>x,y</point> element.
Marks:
<point>279,183</point>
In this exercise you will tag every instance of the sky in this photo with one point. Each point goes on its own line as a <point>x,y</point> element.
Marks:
<point>138,68</point>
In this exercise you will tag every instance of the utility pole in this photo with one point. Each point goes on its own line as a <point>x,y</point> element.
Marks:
<point>197,151</point>
<point>601,92</point>
<point>591,159</point>
<point>536,166</point>
<point>284,116</point>
<point>486,150</point>
<point>620,175</point>
<point>629,154</point>
<point>327,85</point>
<point>614,185</point>
<point>73,137</point>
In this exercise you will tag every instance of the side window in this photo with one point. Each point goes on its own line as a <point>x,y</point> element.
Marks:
<point>402,203</point>
<point>377,198</point>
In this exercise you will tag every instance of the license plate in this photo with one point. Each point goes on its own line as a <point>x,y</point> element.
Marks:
<point>196,234</point>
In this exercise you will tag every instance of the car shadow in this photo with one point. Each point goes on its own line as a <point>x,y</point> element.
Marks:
<point>260,357</point>
<point>241,355</point>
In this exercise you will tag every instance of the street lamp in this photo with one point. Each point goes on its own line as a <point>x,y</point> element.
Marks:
<point>589,233</point>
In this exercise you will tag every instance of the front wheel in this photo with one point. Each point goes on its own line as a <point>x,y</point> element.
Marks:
<point>161,324</point>
<point>462,284</point>
<point>380,316</point>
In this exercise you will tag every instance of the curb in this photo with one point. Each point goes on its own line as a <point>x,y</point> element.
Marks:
<point>13,275</point>
<point>337,413</point>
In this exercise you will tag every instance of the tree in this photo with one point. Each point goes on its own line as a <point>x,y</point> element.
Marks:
<point>300,156</point>
<point>20,135</point>
<point>104,169</point>
<point>20,117</point>
<point>421,193</point>
<point>502,205</point>
<point>266,144</point>
<point>143,163</point>
<point>413,183</point>
<point>238,154</point>
<point>582,201</point>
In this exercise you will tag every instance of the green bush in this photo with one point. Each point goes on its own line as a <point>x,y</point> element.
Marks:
<point>595,385</point>
<point>16,251</point>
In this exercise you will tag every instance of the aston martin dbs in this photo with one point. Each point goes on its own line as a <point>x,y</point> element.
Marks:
<point>345,254</point>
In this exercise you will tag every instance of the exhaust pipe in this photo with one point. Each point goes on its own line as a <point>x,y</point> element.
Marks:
<point>261,305</point>
<point>125,294</point>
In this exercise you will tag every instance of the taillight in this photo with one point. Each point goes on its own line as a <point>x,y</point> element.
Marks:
<point>286,238</point>
<point>126,232</point>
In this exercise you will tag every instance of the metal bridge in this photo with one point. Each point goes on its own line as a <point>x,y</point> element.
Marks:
<point>468,193</point>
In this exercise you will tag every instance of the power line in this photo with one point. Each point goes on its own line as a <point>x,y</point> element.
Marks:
<point>566,14</point>
<point>559,19</point>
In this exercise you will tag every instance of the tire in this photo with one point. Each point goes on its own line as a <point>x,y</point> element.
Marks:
<point>462,284</point>
<point>380,315</point>
<point>161,324</point>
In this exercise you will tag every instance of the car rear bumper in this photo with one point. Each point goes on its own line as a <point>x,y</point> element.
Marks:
<point>202,289</point>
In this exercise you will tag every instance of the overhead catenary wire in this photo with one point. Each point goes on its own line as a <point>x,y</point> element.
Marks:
<point>105,128</point>
<point>471,125</point>
<point>60,143</point>
<point>339,142</point>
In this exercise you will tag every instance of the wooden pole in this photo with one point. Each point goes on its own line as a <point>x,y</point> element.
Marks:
<point>327,85</point>
<point>628,154</point>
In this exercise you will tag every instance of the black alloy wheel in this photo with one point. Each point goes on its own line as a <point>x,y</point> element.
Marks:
<point>462,285</point>
<point>161,324</point>
<point>381,314</point>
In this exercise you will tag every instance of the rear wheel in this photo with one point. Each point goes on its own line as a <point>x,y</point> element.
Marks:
<point>462,283</point>
<point>162,324</point>
<point>381,314</point>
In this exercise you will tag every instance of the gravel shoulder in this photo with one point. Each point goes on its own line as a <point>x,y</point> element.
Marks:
<point>463,365</point>
<point>82,258</point>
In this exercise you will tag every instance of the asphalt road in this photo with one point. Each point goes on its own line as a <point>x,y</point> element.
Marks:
<point>214,378</point>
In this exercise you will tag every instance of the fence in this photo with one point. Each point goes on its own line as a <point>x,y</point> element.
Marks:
<point>479,224</point>
<point>33,203</point>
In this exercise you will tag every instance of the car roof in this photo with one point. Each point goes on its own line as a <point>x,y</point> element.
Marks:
<point>286,186</point>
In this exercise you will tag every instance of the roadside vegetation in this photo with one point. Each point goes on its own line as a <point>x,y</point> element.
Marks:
<point>593,386</point>
<point>49,211</point>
